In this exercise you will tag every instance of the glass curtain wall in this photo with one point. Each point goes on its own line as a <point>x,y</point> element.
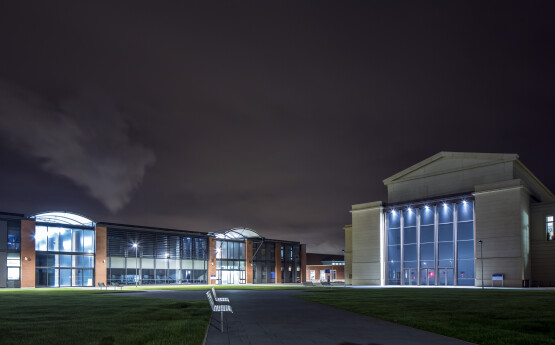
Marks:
<point>264,262</point>
<point>230,262</point>
<point>158,258</point>
<point>64,256</point>
<point>290,265</point>
<point>431,244</point>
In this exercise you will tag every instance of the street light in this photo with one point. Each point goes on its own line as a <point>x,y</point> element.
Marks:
<point>482,262</point>
<point>136,246</point>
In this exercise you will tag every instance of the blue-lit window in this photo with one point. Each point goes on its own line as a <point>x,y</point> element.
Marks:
<point>409,218</point>
<point>394,220</point>
<point>445,213</point>
<point>465,243</point>
<point>427,216</point>
<point>394,247</point>
<point>549,228</point>
<point>443,233</point>
<point>465,211</point>
<point>14,236</point>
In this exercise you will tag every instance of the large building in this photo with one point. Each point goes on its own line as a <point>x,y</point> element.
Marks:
<point>58,249</point>
<point>451,216</point>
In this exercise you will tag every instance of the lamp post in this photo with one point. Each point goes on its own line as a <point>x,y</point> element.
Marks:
<point>136,263</point>
<point>344,269</point>
<point>482,262</point>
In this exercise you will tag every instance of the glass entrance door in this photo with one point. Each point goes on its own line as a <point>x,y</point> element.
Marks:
<point>410,276</point>
<point>427,276</point>
<point>446,276</point>
<point>231,277</point>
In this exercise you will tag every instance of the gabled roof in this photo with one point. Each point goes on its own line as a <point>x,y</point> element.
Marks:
<point>471,159</point>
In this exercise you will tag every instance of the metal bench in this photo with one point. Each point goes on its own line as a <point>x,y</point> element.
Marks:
<point>219,299</point>
<point>325,283</point>
<point>308,283</point>
<point>221,308</point>
<point>117,285</point>
<point>101,285</point>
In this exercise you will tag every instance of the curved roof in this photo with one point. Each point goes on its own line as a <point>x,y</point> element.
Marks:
<point>237,234</point>
<point>63,218</point>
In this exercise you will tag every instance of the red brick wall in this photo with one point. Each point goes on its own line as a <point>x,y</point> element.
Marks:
<point>27,253</point>
<point>100,255</point>
<point>211,259</point>
<point>248,257</point>
<point>303,262</point>
<point>340,269</point>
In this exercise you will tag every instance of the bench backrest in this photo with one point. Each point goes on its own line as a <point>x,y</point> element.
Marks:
<point>101,284</point>
<point>214,293</point>
<point>210,299</point>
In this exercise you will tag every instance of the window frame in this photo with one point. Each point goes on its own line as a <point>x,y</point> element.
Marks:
<point>549,225</point>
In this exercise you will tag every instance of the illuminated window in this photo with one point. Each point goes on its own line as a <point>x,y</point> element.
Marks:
<point>13,273</point>
<point>549,228</point>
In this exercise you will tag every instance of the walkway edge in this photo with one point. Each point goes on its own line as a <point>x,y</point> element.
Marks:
<point>207,327</point>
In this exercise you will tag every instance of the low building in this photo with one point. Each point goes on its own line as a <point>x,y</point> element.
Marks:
<point>325,267</point>
<point>57,249</point>
<point>451,217</point>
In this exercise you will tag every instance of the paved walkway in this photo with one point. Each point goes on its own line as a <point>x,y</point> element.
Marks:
<point>276,317</point>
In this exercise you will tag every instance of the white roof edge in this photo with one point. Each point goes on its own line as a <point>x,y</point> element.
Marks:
<point>63,217</point>
<point>237,233</point>
<point>443,154</point>
<point>537,180</point>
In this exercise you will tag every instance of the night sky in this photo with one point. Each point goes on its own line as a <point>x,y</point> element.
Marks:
<point>277,118</point>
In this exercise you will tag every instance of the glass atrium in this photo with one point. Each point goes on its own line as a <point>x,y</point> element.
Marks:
<point>64,246</point>
<point>430,243</point>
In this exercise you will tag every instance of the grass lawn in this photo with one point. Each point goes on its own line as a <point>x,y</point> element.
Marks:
<point>62,316</point>
<point>488,317</point>
<point>131,288</point>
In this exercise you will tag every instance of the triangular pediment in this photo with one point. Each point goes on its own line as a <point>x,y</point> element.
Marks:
<point>444,162</point>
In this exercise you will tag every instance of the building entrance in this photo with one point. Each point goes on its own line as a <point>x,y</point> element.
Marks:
<point>427,276</point>
<point>446,276</point>
<point>411,276</point>
<point>231,277</point>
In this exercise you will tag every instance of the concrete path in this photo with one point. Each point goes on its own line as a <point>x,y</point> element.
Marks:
<point>276,317</point>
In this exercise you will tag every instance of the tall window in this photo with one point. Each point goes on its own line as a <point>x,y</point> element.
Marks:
<point>432,244</point>
<point>465,243</point>
<point>394,248</point>
<point>549,228</point>
<point>64,256</point>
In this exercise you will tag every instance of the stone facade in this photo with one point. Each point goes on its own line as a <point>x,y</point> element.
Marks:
<point>510,208</point>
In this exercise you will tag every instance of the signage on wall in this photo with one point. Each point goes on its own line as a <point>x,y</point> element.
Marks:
<point>213,277</point>
<point>328,270</point>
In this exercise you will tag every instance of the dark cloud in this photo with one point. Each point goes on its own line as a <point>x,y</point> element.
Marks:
<point>84,139</point>
<point>272,116</point>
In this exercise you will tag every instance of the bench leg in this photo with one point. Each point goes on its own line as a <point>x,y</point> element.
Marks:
<point>222,323</point>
